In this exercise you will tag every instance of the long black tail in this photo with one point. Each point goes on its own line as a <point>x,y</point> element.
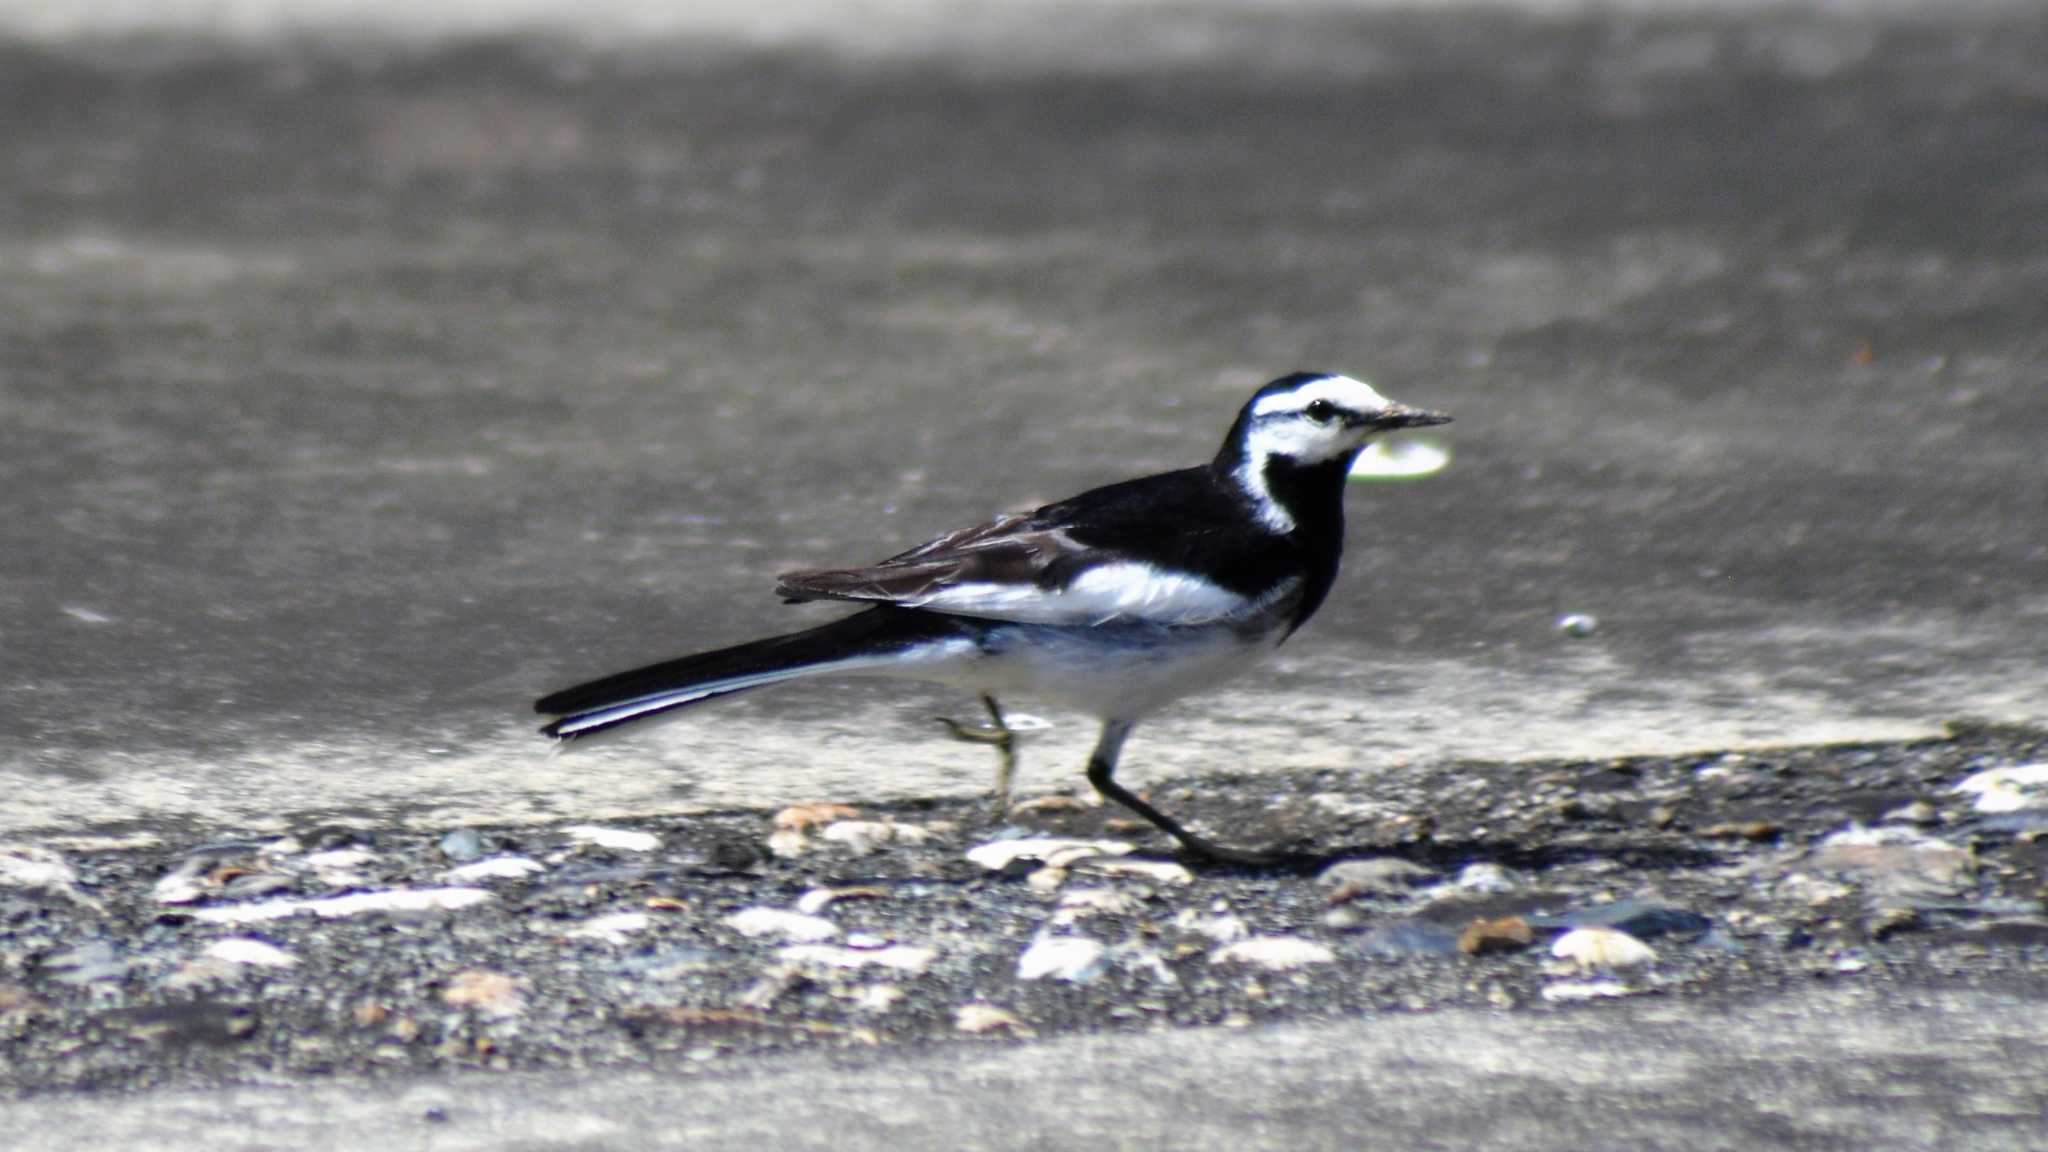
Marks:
<point>876,638</point>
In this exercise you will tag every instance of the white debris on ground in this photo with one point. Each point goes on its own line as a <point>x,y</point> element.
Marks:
<point>1075,959</point>
<point>354,904</point>
<point>251,951</point>
<point>782,923</point>
<point>617,839</point>
<point>1602,948</point>
<point>1274,953</point>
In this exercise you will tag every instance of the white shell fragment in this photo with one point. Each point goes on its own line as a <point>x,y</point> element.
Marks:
<point>1223,929</point>
<point>1402,459</point>
<point>867,836</point>
<point>611,929</point>
<point>997,855</point>
<point>180,885</point>
<point>1486,877</point>
<point>1274,953</point>
<point>497,868</point>
<point>2008,789</point>
<point>251,951</point>
<point>898,957</point>
<point>338,859</point>
<point>787,843</point>
<point>36,867</point>
<point>975,1019</point>
<point>1075,959</point>
<point>493,994</point>
<point>1570,991</point>
<point>780,922</point>
<point>354,904</point>
<point>618,839</point>
<point>1602,948</point>
<point>1080,903</point>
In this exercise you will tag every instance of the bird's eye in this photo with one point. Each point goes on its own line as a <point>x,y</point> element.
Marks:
<point>1321,411</point>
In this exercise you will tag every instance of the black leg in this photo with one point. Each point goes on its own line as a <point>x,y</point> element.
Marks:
<point>1101,771</point>
<point>1005,741</point>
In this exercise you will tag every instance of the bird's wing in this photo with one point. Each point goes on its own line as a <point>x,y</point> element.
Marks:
<point>1029,568</point>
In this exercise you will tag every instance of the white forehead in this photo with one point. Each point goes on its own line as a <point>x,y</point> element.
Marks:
<point>1355,395</point>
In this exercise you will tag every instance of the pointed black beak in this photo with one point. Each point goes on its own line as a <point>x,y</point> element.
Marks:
<point>1402,416</point>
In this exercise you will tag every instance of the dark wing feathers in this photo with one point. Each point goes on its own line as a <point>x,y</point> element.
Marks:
<point>1011,549</point>
<point>1180,521</point>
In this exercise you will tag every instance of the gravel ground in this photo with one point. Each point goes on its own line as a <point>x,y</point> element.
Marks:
<point>677,942</point>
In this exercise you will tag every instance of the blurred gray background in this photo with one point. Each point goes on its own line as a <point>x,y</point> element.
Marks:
<point>367,369</point>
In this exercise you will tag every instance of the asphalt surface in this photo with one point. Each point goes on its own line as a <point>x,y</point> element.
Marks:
<point>1832,1068</point>
<point>356,385</point>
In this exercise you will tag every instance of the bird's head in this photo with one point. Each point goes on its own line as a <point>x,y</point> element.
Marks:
<point>1296,438</point>
<point>1315,418</point>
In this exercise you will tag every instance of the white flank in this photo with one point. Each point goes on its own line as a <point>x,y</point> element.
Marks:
<point>1125,591</point>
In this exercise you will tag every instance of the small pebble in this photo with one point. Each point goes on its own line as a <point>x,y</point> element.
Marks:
<point>1602,948</point>
<point>866,837</point>
<point>818,899</point>
<point>91,962</point>
<point>1075,959</point>
<point>1378,875</point>
<point>1487,878</point>
<point>1578,625</point>
<point>976,1019</point>
<point>497,868</point>
<point>878,998</point>
<point>618,839</point>
<point>490,993</point>
<point>251,951</point>
<point>339,859</point>
<point>354,904</point>
<point>788,843</point>
<point>897,957</point>
<point>2008,789</point>
<point>1274,953</point>
<point>613,929</point>
<point>1567,992</point>
<point>462,844</point>
<point>1224,929</point>
<point>802,816</point>
<point>1491,937</point>
<point>997,855</point>
<point>780,922</point>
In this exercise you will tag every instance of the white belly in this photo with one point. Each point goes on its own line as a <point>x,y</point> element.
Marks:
<point>1114,675</point>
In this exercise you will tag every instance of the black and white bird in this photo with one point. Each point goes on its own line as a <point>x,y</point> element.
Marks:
<point>1114,603</point>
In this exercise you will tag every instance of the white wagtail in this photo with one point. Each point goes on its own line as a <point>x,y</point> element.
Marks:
<point>1114,603</point>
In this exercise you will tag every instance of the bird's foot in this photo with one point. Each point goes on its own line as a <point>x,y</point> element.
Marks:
<point>1000,736</point>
